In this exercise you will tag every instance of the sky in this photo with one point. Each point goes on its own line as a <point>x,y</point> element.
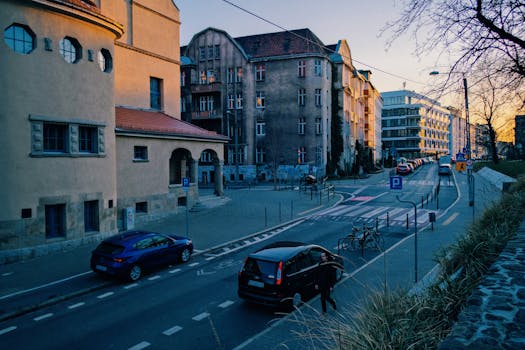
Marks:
<point>359,22</point>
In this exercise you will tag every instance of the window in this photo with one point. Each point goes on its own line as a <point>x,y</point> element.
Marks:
<point>19,38</point>
<point>183,104</point>
<point>301,68</point>
<point>91,222</point>
<point>210,75</point>
<point>70,49</point>
<point>301,97</point>
<point>231,101</point>
<point>318,97</point>
<point>261,128</point>
<point>260,72</point>
<point>141,207</point>
<point>301,155</point>
<point>239,101</point>
<point>105,62</point>
<point>203,77</point>
<point>202,103</point>
<point>87,139</point>
<point>140,153</point>
<point>317,68</point>
<point>155,93</point>
<point>182,78</point>
<point>260,155</point>
<point>238,78</point>
<point>55,220</point>
<point>206,157</point>
<point>260,100</point>
<point>217,52</point>
<point>210,52</point>
<point>301,123</point>
<point>202,53</point>
<point>210,103</point>
<point>55,137</point>
<point>318,125</point>
<point>229,78</point>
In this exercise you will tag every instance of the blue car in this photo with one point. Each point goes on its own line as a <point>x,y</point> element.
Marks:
<point>131,253</point>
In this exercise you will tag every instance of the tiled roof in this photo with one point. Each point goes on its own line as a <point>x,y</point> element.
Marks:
<point>87,4</point>
<point>151,122</point>
<point>281,43</point>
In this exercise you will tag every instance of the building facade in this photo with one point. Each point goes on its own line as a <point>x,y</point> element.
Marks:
<point>414,125</point>
<point>73,161</point>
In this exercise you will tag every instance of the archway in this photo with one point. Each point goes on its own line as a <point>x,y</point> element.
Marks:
<point>181,164</point>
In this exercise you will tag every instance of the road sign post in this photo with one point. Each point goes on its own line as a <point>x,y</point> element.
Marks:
<point>396,183</point>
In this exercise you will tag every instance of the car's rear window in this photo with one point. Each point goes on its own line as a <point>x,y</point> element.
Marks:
<point>110,248</point>
<point>262,268</point>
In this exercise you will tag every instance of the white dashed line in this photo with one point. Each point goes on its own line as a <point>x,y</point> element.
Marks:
<point>105,295</point>
<point>193,264</point>
<point>154,278</point>
<point>200,317</point>
<point>7,330</point>
<point>131,286</point>
<point>172,330</point>
<point>174,271</point>
<point>5,274</point>
<point>247,242</point>
<point>74,306</point>
<point>140,346</point>
<point>226,304</point>
<point>210,258</point>
<point>43,317</point>
<point>226,249</point>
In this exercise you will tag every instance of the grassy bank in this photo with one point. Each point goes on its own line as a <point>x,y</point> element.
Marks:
<point>399,320</point>
<point>512,168</point>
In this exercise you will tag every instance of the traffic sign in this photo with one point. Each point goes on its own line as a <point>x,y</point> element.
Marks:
<point>396,183</point>
<point>186,183</point>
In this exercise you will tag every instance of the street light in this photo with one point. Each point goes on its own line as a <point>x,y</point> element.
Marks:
<point>470,178</point>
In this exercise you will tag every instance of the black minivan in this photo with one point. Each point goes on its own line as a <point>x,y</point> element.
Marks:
<point>283,273</point>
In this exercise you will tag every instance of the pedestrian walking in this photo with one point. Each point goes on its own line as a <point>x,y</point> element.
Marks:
<point>325,281</point>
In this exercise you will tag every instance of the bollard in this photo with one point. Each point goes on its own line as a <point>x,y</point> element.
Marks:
<point>291,210</point>
<point>265,217</point>
<point>280,212</point>
<point>377,223</point>
<point>422,201</point>
<point>407,221</point>
<point>387,219</point>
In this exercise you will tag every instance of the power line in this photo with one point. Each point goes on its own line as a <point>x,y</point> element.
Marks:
<point>323,47</point>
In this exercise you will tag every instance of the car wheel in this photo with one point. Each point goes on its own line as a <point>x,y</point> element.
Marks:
<point>135,272</point>
<point>185,255</point>
<point>297,299</point>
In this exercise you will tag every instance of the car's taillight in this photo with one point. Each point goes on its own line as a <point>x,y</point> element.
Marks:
<point>119,260</point>
<point>279,276</point>
<point>242,267</point>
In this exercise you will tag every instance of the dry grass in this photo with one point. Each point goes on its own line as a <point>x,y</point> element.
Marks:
<point>400,320</point>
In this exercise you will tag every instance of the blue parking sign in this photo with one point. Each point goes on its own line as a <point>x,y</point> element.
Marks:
<point>185,182</point>
<point>396,183</point>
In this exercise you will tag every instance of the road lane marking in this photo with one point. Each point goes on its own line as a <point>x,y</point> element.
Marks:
<point>43,317</point>
<point>105,295</point>
<point>74,306</point>
<point>5,274</point>
<point>450,219</point>
<point>7,330</point>
<point>154,278</point>
<point>131,285</point>
<point>174,271</point>
<point>193,264</point>
<point>139,346</point>
<point>210,258</point>
<point>226,304</point>
<point>200,317</point>
<point>172,330</point>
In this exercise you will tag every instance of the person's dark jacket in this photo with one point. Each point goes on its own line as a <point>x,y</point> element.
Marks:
<point>326,275</point>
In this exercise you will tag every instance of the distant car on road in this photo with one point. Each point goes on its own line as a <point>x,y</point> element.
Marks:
<point>445,169</point>
<point>283,274</point>
<point>130,253</point>
<point>403,169</point>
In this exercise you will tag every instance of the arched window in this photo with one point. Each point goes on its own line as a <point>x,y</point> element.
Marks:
<point>70,49</point>
<point>105,61</point>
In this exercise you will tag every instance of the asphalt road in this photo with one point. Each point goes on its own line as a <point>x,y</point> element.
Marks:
<point>195,305</point>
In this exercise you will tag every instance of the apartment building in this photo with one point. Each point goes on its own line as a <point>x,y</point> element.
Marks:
<point>414,125</point>
<point>272,95</point>
<point>91,121</point>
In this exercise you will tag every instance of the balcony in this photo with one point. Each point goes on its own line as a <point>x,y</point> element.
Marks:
<point>206,115</point>
<point>206,88</point>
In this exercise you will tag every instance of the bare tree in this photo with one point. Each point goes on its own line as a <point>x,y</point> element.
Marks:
<point>470,30</point>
